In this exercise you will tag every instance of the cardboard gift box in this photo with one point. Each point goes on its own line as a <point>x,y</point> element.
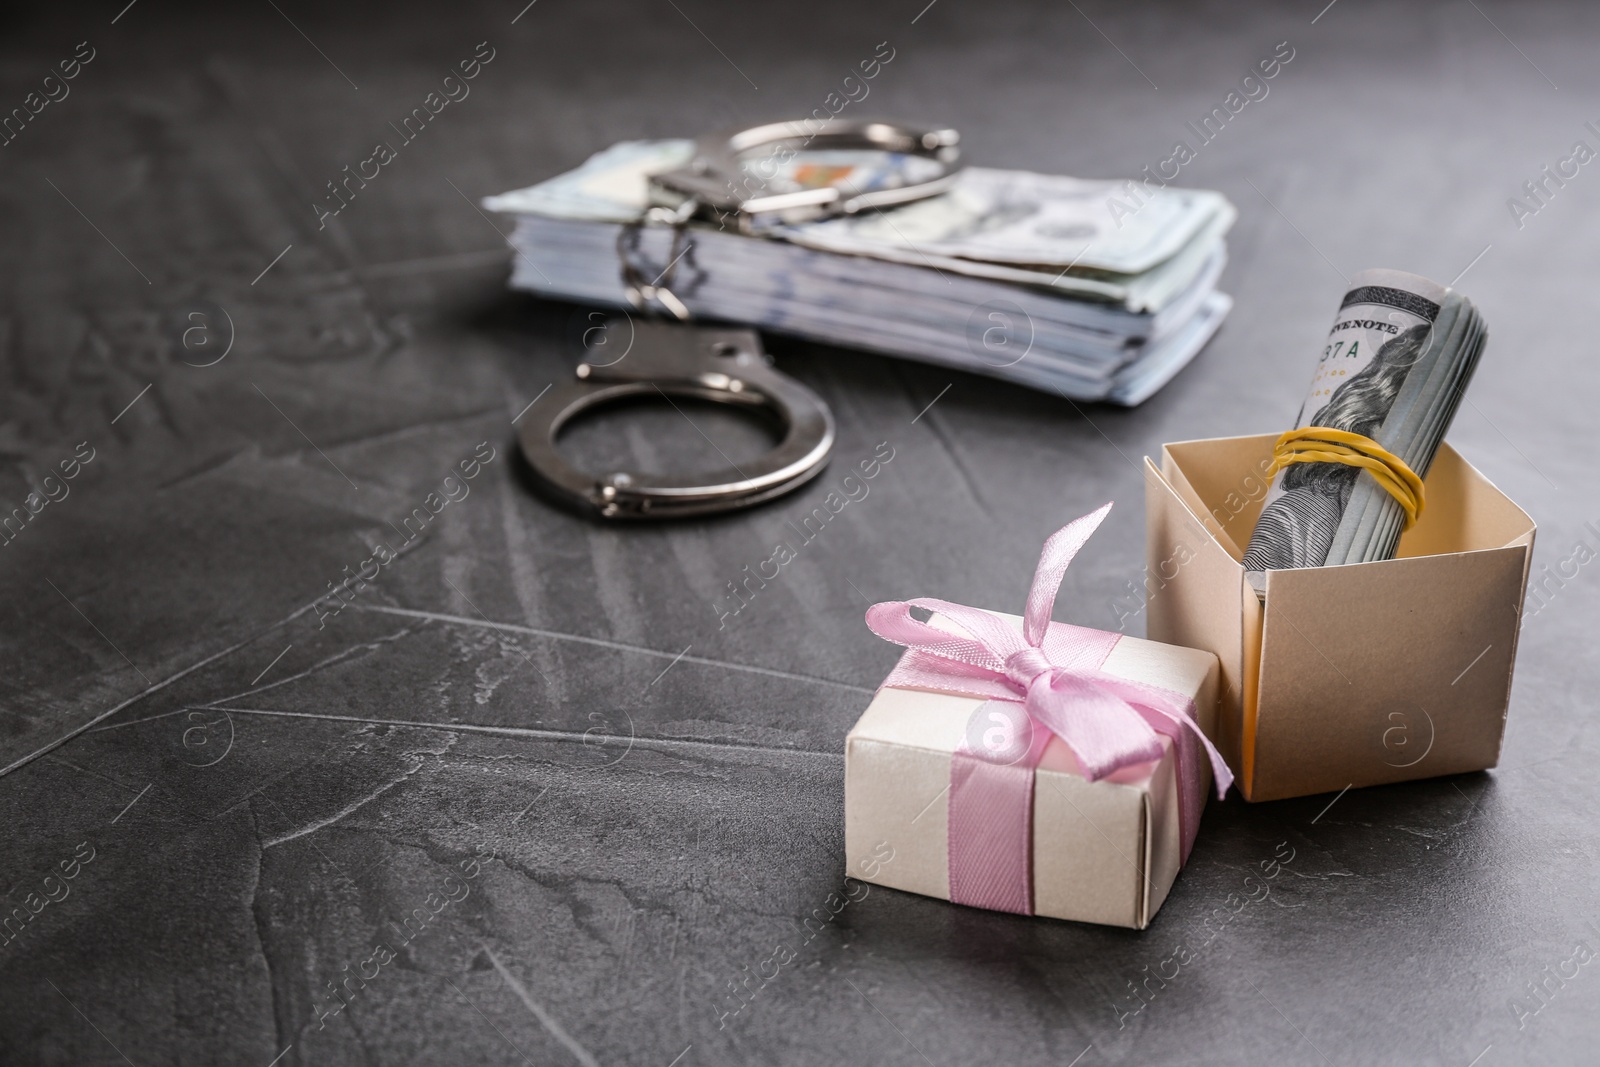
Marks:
<point>1343,676</point>
<point>986,781</point>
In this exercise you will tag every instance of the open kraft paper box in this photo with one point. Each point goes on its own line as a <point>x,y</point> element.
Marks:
<point>1346,676</point>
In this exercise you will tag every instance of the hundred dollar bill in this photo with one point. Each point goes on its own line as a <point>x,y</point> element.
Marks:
<point>1393,368</point>
<point>1020,276</point>
<point>1016,217</point>
<point>1011,226</point>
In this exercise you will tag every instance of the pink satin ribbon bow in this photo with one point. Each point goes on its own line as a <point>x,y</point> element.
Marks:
<point>1052,670</point>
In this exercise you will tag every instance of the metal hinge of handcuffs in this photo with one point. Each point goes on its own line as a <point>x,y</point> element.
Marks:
<point>723,365</point>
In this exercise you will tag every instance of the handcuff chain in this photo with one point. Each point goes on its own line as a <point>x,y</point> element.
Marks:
<point>640,292</point>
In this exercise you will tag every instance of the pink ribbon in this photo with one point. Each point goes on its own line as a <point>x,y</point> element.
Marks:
<point>1048,679</point>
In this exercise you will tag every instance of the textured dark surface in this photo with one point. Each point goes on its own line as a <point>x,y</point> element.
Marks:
<point>512,684</point>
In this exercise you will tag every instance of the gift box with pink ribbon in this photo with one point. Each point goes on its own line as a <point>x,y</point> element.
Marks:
<point>1030,766</point>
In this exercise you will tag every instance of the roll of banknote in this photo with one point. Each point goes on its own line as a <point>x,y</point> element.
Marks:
<point>1393,369</point>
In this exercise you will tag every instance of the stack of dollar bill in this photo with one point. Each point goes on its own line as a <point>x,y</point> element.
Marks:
<point>1085,288</point>
<point>1394,368</point>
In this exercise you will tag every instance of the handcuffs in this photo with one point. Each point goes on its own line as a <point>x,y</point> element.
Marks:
<point>725,365</point>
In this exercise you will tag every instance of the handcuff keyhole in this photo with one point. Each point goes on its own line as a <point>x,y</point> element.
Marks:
<point>724,349</point>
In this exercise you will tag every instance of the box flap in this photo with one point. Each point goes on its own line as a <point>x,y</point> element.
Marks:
<point>1176,482</point>
<point>1228,479</point>
<point>1194,585</point>
<point>1251,611</point>
<point>1464,511</point>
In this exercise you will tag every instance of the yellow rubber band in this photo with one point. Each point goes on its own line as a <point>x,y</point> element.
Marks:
<point>1319,444</point>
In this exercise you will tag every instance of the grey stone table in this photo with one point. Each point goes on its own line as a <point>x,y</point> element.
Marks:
<point>524,780</point>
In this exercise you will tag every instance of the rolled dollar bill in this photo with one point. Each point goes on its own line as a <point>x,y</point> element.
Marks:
<point>1393,369</point>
